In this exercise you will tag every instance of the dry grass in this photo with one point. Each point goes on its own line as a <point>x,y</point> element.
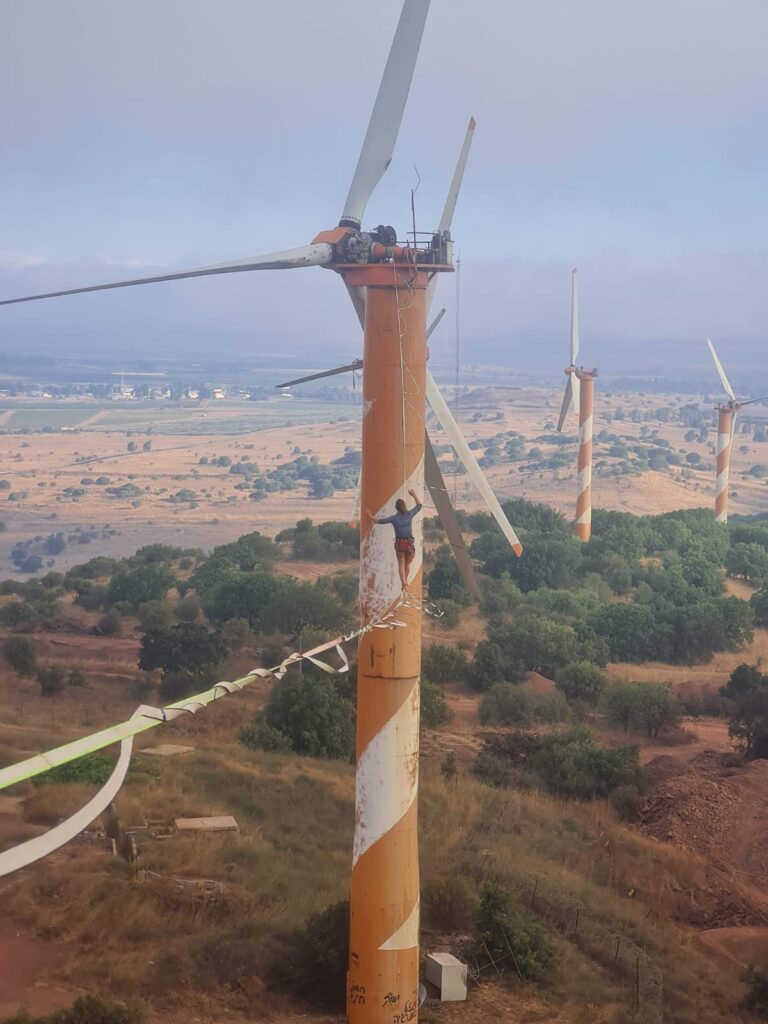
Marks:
<point>292,859</point>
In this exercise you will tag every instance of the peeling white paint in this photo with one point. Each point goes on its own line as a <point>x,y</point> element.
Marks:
<point>387,776</point>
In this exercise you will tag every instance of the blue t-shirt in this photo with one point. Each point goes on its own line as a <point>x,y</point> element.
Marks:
<point>401,522</point>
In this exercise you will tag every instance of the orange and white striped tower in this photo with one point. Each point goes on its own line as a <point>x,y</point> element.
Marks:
<point>726,415</point>
<point>382,982</point>
<point>583,524</point>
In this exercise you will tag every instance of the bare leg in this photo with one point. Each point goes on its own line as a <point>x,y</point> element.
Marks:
<point>408,559</point>
<point>402,569</point>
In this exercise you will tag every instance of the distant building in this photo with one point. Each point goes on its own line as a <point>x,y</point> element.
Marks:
<point>218,393</point>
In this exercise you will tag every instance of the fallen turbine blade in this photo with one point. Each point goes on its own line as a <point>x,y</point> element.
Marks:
<point>457,439</point>
<point>433,478</point>
<point>316,255</point>
<point>381,136</point>
<point>566,402</point>
<point>721,373</point>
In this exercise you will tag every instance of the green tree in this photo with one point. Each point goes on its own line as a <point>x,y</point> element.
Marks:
<point>242,595</point>
<point>313,713</point>
<point>490,666</point>
<point>540,645</point>
<point>185,648</point>
<point>748,722</point>
<point>656,707</point>
<point>147,583</point>
<point>759,603</point>
<point>631,631</point>
<point>444,580</point>
<point>747,561</point>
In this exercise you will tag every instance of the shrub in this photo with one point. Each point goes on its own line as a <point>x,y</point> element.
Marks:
<point>512,705</point>
<point>448,904</point>
<point>756,1000</point>
<point>86,1010</point>
<point>520,945</point>
<point>314,967</point>
<point>93,769</point>
<point>109,624</point>
<point>260,736</point>
<point>448,768</point>
<point>155,614</point>
<point>581,682</point>
<point>434,710</point>
<point>443,663</point>
<point>52,680</point>
<point>20,654</point>
<point>573,764</point>
<point>312,712</point>
<point>188,609</point>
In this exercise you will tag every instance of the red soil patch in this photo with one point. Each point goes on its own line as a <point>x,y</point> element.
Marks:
<point>24,964</point>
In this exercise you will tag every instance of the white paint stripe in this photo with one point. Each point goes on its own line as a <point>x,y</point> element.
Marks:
<point>585,478</point>
<point>721,482</point>
<point>721,517</point>
<point>585,518</point>
<point>585,430</point>
<point>379,579</point>
<point>723,440</point>
<point>387,776</point>
<point>407,935</point>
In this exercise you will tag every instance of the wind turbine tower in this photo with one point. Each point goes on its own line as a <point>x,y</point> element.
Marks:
<point>726,424</point>
<point>579,390</point>
<point>391,286</point>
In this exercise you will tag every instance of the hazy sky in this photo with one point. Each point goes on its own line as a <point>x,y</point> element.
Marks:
<point>628,138</point>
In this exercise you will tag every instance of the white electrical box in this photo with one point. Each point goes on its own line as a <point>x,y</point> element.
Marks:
<point>449,975</point>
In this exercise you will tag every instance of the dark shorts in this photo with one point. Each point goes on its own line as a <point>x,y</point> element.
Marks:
<point>405,545</point>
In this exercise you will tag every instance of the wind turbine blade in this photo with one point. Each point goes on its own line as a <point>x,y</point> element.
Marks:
<point>574,317</point>
<point>458,175</point>
<point>433,478</point>
<point>357,365</point>
<point>566,402</point>
<point>752,401</point>
<point>381,136</point>
<point>357,292</point>
<point>316,255</point>
<point>457,439</point>
<point>450,201</point>
<point>721,372</point>
<point>434,323</point>
<point>576,388</point>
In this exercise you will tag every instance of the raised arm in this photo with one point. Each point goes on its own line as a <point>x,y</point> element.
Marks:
<point>418,507</point>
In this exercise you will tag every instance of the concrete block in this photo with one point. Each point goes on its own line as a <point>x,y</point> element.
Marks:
<point>218,823</point>
<point>166,750</point>
<point>449,975</point>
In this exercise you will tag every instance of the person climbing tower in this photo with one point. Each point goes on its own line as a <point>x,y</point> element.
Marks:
<point>405,546</point>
